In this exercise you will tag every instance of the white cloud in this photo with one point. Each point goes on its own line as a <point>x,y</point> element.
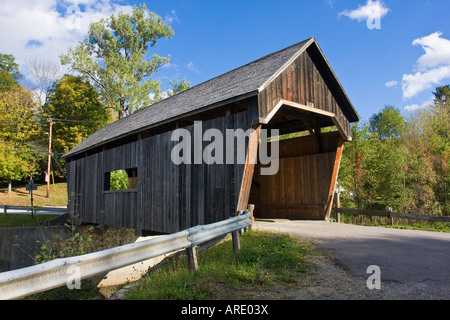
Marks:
<point>47,28</point>
<point>437,50</point>
<point>368,11</point>
<point>413,84</point>
<point>415,107</point>
<point>391,84</point>
<point>432,67</point>
<point>191,67</point>
<point>171,17</point>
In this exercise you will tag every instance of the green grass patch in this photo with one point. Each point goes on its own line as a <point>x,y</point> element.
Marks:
<point>23,220</point>
<point>265,260</point>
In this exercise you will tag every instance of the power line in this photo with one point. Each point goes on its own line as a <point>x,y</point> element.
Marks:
<point>76,121</point>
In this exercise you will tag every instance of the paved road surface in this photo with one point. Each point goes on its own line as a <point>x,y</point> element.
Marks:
<point>404,256</point>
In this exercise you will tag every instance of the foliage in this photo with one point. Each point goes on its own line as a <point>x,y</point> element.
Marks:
<point>387,124</point>
<point>18,131</point>
<point>115,58</point>
<point>442,96</point>
<point>398,223</point>
<point>7,81</point>
<point>119,180</point>
<point>8,64</point>
<point>400,163</point>
<point>75,244</point>
<point>77,110</point>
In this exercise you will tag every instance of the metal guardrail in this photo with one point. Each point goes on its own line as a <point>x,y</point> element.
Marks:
<point>204,233</point>
<point>56,273</point>
<point>5,209</point>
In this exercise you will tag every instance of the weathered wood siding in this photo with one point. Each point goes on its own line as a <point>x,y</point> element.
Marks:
<point>175,197</point>
<point>169,197</point>
<point>300,189</point>
<point>302,82</point>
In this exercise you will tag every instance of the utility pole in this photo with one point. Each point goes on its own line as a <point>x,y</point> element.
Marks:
<point>49,156</point>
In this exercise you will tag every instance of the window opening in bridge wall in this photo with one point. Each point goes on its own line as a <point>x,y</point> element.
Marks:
<point>121,180</point>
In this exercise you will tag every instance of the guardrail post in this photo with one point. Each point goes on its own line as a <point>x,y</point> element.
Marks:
<point>236,241</point>
<point>251,208</point>
<point>390,218</point>
<point>192,258</point>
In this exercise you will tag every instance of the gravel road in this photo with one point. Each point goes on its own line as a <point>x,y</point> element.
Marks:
<point>413,264</point>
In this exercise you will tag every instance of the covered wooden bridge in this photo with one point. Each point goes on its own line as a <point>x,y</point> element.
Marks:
<point>292,90</point>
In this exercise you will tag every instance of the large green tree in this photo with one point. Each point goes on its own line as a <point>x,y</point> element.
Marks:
<point>388,123</point>
<point>8,64</point>
<point>18,130</point>
<point>9,72</point>
<point>115,58</point>
<point>76,110</point>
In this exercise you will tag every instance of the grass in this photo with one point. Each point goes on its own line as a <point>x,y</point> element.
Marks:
<point>265,261</point>
<point>20,197</point>
<point>398,223</point>
<point>23,220</point>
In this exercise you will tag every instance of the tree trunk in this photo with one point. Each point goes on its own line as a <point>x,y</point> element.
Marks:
<point>9,186</point>
<point>122,107</point>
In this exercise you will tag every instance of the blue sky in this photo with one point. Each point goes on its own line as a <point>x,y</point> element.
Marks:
<point>390,52</point>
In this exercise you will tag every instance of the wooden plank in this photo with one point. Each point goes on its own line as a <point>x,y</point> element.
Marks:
<point>249,169</point>
<point>334,176</point>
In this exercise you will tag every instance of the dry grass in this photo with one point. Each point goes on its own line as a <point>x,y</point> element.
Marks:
<point>20,197</point>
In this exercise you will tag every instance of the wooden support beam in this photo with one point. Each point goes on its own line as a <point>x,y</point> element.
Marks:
<point>252,157</point>
<point>334,176</point>
<point>307,110</point>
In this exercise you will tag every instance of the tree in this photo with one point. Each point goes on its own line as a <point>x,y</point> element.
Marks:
<point>7,81</point>
<point>401,163</point>
<point>115,58</point>
<point>8,64</point>
<point>44,72</point>
<point>428,140</point>
<point>18,130</point>
<point>355,174</point>
<point>442,96</point>
<point>77,112</point>
<point>388,123</point>
<point>9,72</point>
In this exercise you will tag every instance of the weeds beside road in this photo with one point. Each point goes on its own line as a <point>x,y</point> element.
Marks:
<point>269,266</point>
<point>266,260</point>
